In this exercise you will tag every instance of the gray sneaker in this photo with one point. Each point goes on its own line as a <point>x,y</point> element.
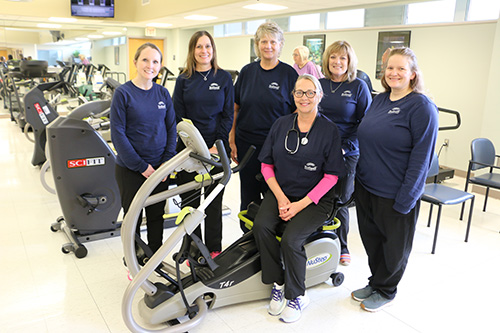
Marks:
<point>375,302</point>
<point>361,294</point>
<point>278,301</point>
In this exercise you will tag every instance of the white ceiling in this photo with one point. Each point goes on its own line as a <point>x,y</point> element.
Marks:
<point>233,11</point>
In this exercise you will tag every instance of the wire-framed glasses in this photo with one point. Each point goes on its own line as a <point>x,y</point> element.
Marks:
<point>308,93</point>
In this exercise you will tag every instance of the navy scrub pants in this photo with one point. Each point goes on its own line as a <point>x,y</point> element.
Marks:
<point>343,213</point>
<point>251,189</point>
<point>129,183</point>
<point>297,230</point>
<point>387,236</point>
<point>213,219</point>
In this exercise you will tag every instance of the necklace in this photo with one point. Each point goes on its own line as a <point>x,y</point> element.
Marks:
<point>331,88</point>
<point>304,141</point>
<point>205,76</point>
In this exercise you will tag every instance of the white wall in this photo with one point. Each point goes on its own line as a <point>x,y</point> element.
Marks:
<point>460,66</point>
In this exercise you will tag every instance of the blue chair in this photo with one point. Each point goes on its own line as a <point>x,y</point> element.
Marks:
<point>439,194</point>
<point>483,156</point>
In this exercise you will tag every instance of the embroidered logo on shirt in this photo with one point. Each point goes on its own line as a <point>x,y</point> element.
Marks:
<point>161,105</point>
<point>394,110</point>
<point>310,166</point>
<point>347,93</point>
<point>214,86</point>
<point>274,86</point>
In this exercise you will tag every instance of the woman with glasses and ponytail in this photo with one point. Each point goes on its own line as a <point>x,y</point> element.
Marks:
<point>301,160</point>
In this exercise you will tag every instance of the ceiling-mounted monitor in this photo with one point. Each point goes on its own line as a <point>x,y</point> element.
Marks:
<point>93,8</point>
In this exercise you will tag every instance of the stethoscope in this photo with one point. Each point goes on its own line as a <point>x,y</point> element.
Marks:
<point>304,141</point>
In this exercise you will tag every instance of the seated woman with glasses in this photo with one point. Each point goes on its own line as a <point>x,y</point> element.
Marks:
<point>301,161</point>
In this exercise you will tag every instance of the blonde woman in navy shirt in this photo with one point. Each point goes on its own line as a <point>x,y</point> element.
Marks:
<point>301,161</point>
<point>396,142</point>
<point>345,103</point>
<point>262,95</point>
<point>204,94</point>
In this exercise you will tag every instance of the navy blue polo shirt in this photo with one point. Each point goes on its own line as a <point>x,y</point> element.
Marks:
<point>297,174</point>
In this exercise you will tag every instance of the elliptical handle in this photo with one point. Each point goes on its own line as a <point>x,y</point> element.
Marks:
<point>246,158</point>
<point>226,164</point>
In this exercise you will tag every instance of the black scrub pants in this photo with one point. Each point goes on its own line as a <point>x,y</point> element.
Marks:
<point>387,236</point>
<point>213,219</point>
<point>297,230</point>
<point>129,183</point>
<point>251,189</point>
<point>343,213</point>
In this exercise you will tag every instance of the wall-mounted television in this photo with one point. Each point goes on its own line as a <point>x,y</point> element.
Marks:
<point>93,8</point>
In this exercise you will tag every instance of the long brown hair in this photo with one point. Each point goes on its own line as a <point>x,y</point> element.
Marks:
<point>191,61</point>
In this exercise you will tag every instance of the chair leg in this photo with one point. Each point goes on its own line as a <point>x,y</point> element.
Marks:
<point>430,216</point>
<point>470,219</point>
<point>436,231</point>
<point>486,198</point>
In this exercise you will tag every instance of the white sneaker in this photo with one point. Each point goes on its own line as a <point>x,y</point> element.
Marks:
<point>278,301</point>
<point>294,309</point>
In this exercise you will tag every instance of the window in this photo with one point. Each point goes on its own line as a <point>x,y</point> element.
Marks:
<point>345,19</point>
<point>483,10</point>
<point>431,12</point>
<point>233,29</point>
<point>304,22</point>
<point>251,26</point>
<point>219,30</point>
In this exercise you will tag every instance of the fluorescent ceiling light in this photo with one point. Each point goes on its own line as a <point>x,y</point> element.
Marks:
<point>158,25</point>
<point>200,17</point>
<point>111,33</point>
<point>62,19</point>
<point>95,36</point>
<point>265,7</point>
<point>81,39</point>
<point>48,25</point>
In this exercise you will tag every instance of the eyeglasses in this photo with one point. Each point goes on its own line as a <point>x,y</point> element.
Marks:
<point>300,93</point>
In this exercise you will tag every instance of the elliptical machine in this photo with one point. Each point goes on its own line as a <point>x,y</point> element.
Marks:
<point>232,276</point>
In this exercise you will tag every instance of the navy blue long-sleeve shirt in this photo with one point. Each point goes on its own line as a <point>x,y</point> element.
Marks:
<point>208,104</point>
<point>143,128</point>
<point>396,143</point>
<point>263,96</point>
<point>346,106</point>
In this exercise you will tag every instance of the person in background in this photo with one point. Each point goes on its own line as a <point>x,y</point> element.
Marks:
<point>204,94</point>
<point>83,59</point>
<point>345,103</point>
<point>301,161</point>
<point>396,142</point>
<point>143,131</point>
<point>262,95</point>
<point>303,65</point>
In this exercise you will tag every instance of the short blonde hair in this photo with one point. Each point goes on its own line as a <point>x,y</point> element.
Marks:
<point>268,29</point>
<point>303,52</point>
<point>341,47</point>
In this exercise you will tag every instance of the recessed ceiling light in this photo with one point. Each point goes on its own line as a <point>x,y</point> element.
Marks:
<point>265,7</point>
<point>200,17</point>
<point>48,25</point>
<point>111,33</point>
<point>62,19</point>
<point>158,25</point>
<point>95,36</point>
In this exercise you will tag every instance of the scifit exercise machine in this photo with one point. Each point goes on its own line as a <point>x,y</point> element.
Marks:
<point>232,277</point>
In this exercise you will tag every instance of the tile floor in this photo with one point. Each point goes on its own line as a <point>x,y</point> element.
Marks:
<point>44,290</point>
